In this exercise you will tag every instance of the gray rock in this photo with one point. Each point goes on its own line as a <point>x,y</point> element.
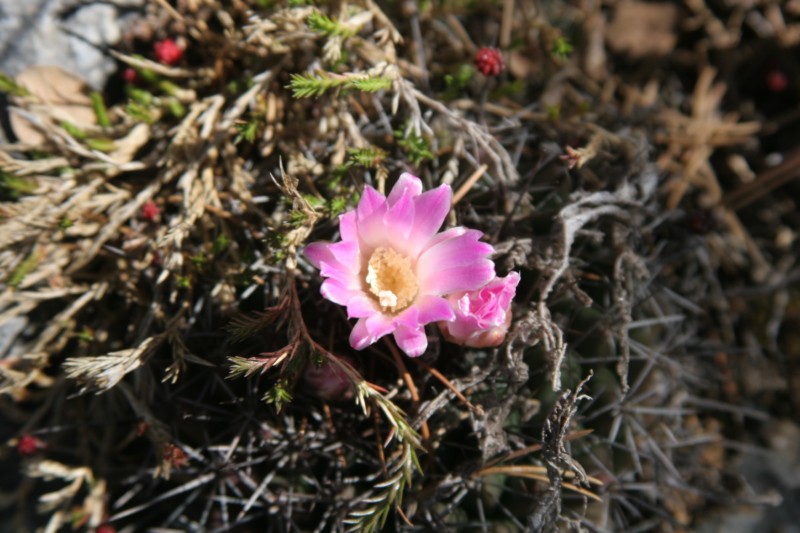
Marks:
<point>72,34</point>
<point>9,331</point>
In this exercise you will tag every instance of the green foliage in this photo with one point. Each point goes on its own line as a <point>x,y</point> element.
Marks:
<point>140,96</point>
<point>399,472</point>
<point>416,147</point>
<point>278,395</point>
<point>248,366</point>
<point>26,267</point>
<point>184,282</point>
<point>247,131</point>
<point>101,144</point>
<point>11,87</point>
<point>370,157</point>
<point>561,48</point>
<point>139,112</point>
<point>315,86</point>
<point>175,107</point>
<point>86,335</point>
<point>508,89</point>
<point>337,205</point>
<point>325,25</point>
<point>221,243</point>
<point>73,130</point>
<point>371,84</point>
<point>15,186</point>
<point>66,223</point>
<point>457,82</point>
<point>100,109</point>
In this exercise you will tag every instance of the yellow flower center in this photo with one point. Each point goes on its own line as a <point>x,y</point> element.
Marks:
<point>391,278</point>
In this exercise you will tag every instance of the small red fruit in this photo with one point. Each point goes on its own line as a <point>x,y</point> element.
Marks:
<point>130,76</point>
<point>105,528</point>
<point>489,61</point>
<point>777,82</point>
<point>28,445</point>
<point>150,211</point>
<point>168,52</point>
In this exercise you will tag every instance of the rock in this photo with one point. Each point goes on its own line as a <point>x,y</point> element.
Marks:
<point>71,34</point>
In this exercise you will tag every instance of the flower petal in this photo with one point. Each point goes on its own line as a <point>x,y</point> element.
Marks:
<point>433,309</point>
<point>336,291</point>
<point>407,184</point>
<point>360,305</point>
<point>317,252</point>
<point>458,278</point>
<point>412,341</point>
<point>370,202</point>
<point>430,210</point>
<point>368,330</point>
<point>346,253</point>
<point>457,250</point>
<point>342,274</point>
<point>399,219</point>
<point>457,261</point>
<point>348,226</point>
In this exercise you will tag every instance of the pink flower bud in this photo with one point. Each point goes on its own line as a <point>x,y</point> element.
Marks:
<point>483,316</point>
<point>328,382</point>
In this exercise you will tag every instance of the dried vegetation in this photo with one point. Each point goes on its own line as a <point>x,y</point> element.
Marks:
<point>159,315</point>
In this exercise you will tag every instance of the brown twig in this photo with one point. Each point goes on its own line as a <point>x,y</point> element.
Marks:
<point>409,381</point>
<point>447,383</point>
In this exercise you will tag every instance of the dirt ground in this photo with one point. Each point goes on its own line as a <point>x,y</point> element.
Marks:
<point>163,334</point>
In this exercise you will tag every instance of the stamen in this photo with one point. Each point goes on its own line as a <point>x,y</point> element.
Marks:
<point>391,279</point>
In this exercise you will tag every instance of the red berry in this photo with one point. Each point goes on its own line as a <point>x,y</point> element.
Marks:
<point>105,528</point>
<point>168,52</point>
<point>777,82</point>
<point>489,61</point>
<point>174,456</point>
<point>130,76</point>
<point>29,445</point>
<point>150,211</point>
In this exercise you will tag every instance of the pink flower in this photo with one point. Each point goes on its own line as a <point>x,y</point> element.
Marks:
<point>328,382</point>
<point>482,316</point>
<point>392,270</point>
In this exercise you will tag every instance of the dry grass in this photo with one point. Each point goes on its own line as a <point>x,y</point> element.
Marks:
<point>140,258</point>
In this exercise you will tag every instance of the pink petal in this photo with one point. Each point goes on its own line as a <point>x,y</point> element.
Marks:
<point>458,278</point>
<point>346,253</point>
<point>368,330</point>
<point>399,219</point>
<point>430,210</point>
<point>371,201</point>
<point>412,341</point>
<point>317,252</point>
<point>348,227</point>
<point>337,271</point>
<point>456,261</point>
<point>336,291</point>
<point>458,250</point>
<point>360,306</point>
<point>433,309</point>
<point>406,184</point>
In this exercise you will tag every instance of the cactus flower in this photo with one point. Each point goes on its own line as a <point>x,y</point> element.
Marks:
<point>393,270</point>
